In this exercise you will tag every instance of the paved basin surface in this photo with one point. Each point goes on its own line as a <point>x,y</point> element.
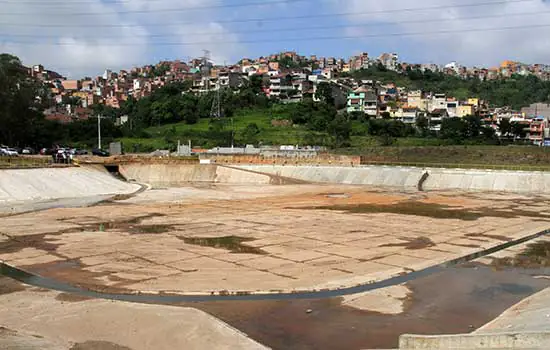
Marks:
<point>261,239</point>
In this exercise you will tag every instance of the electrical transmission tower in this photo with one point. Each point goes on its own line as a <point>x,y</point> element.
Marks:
<point>216,110</point>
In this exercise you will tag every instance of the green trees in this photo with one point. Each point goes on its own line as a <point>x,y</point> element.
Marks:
<point>249,135</point>
<point>22,100</point>
<point>324,93</point>
<point>340,129</point>
<point>517,92</point>
<point>423,126</point>
<point>469,128</point>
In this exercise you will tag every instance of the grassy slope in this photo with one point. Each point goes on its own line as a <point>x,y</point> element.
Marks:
<point>268,133</point>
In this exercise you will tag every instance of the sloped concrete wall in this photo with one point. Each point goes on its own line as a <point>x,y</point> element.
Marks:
<point>409,177</point>
<point>167,175</point>
<point>368,175</point>
<point>20,185</point>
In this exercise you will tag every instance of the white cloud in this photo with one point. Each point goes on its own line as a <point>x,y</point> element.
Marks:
<point>485,47</point>
<point>116,38</point>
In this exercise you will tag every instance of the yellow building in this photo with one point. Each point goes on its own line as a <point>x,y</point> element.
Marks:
<point>82,94</point>
<point>473,102</point>
<point>465,110</point>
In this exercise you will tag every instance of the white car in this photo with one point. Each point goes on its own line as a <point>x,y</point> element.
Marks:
<point>10,152</point>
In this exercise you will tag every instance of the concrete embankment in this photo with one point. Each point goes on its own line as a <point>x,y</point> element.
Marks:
<point>19,186</point>
<point>413,178</point>
<point>170,175</point>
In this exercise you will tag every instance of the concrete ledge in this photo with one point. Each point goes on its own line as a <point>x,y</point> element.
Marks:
<point>523,340</point>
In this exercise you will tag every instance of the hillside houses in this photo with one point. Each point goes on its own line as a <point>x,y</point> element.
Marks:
<point>288,77</point>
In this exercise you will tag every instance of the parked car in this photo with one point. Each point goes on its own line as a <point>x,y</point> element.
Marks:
<point>10,152</point>
<point>47,151</point>
<point>80,152</point>
<point>100,153</point>
<point>27,150</point>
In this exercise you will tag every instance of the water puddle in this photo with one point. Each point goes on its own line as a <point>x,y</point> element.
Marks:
<point>412,243</point>
<point>535,255</point>
<point>232,243</point>
<point>431,210</point>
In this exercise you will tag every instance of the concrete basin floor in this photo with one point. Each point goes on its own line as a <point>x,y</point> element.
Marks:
<point>262,239</point>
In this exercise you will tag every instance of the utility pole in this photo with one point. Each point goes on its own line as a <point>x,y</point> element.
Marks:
<point>99,131</point>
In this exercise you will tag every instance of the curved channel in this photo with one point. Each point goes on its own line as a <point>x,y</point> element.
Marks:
<point>49,283</point>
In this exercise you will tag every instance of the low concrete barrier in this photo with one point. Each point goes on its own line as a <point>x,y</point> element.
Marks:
<point>524,340</point>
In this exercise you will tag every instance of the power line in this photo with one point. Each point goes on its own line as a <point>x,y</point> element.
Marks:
<point>317,38</point>
<point>413,9</point>
<point>293,29</point>
<point>177,9</point>
<point>49,3</point>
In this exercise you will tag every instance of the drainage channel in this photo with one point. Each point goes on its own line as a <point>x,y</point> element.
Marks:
<point>49,283</point>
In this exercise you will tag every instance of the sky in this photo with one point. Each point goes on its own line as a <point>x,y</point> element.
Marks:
<point>85,37</point>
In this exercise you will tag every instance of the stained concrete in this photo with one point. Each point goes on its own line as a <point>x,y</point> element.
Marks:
<point>170,175</point>
<point>299,239</point>
<point>72,323</point>
<point>409,177</point>
<point>20,186</point>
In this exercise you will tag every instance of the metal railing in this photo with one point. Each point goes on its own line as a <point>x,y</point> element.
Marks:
<point>28,162</point>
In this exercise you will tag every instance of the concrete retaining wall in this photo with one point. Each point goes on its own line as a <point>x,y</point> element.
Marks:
<point>166,175</point>
<point>527,340</point>
<point>23,185</point>
<point>409,177</point>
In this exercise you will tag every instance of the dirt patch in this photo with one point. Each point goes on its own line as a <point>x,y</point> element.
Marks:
<point>37,241</point>
<point>73,272</point>
<point>412,243</point>
<point>122,197</point>
<point>416,208</point>
<point>535,255</point>
<point>232,243</point>
<point>8,286</point>
<point>98,345</point>
<point>431,210</point>
<point>464,245</point>
<point>71,298</point>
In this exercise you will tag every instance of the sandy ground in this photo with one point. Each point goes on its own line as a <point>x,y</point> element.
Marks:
<point>261,239</point>
<point>40,319</point>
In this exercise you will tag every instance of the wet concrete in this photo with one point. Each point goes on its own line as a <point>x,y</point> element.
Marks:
<point>434,210</point>
<point>98,345</point>
<point>456,300</point>
<point>232,243</point>
<point>8,285</point>
<point>536,255</point>
<point>412,244</point>
<point>72,298</point>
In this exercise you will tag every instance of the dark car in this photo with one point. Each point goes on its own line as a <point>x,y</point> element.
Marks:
<point>100,153</point>
<point>80,152</point>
